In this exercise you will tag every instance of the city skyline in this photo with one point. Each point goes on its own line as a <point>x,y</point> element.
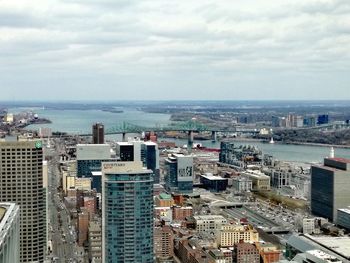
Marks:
<point>98,50</point>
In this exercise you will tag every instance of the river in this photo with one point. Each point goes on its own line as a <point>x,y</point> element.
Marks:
<point>80,121</point>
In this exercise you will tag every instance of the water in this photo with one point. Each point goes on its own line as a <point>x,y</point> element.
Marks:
<point>80,121</point>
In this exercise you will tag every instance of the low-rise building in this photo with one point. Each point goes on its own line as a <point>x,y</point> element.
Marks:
<point>269,253</point>
<point>213,183</point>
<point>313,225</point>
<point>260,181</point>
<point>246,253</point>
<point>231,234</point>
<point>209,223</point>
<point>181,212</point>
<point>242,184</point>
<point>164,200</point>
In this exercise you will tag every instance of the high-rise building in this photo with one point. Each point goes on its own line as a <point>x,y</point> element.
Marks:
<point>98,135</point>
<point>137,150</point>
<point>9,232</point>
<point>150,158</point>
<point>179,173</point>
<point>330,184</point>
<point>127,213</point>
<point>21,182</point>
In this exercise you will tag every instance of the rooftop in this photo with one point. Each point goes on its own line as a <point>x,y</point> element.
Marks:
<point>213,177</point>
<point>165,196</point>
<point>209,217</point>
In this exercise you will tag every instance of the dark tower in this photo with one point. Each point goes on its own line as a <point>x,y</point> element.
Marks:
<point>98,136</point>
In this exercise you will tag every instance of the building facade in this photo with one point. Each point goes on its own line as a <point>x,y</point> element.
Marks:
<point>330,184</point>
<point>98,134</point>
<point>163,243</point>
<point>231,235</point>
<point>9,232</point>
<point>127,213</point>
<point>179,173</point>
<point>21,182</point>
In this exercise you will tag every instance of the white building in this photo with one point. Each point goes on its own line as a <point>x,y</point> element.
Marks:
<point>9,233</point>
<point>242,184</point>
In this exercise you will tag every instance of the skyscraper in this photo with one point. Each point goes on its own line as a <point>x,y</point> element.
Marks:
<point>330,184</point>
<point>127,213</point>
<point>179,173</point>
<point>21,182</point>
<point>98,136</point>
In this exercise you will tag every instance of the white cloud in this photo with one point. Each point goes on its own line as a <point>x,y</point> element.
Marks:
<point>155,43</point>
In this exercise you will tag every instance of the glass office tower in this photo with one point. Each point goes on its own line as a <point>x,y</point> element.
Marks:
<point>127,212</point>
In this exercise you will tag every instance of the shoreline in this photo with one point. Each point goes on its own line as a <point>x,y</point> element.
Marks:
<point>264,141</point>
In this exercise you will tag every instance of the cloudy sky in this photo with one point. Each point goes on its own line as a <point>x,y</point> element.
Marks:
<point>162,49</point>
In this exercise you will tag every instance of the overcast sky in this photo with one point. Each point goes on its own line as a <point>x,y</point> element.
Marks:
<point>180,49</point>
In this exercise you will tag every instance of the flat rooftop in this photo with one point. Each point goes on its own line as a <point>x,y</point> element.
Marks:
<point>340,245</point>
<point>212,177</point>
<point>209,217</point>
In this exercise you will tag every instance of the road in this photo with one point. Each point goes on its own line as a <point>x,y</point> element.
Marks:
<point>61,232</point>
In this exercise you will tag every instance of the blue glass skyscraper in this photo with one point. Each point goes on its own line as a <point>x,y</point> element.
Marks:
<point>127,212</point>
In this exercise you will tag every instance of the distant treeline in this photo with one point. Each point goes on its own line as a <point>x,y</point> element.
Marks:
<point>313,136</point>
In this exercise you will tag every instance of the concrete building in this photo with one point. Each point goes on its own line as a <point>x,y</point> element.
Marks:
<point>127,212</point>
<point>163,243</point>
<point>231,235</point>
<point>209,223</point>
<point>344,218</point>
<point>280,178</point>
<point>83,184</point>
<point>242,184</point>
<point>246,253</point>
<point>260,181</point>
<point>313,225</point>
<point>21,182</point>
<point>9,233</point>
<point>179,173</point>
<point>330,184</point>
<point>98,134</point>
<point>90,157</point>
<point>213,183</point>
<point>95,242</point>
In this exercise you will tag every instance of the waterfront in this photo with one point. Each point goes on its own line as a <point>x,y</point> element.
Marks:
<point>80,121</point>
